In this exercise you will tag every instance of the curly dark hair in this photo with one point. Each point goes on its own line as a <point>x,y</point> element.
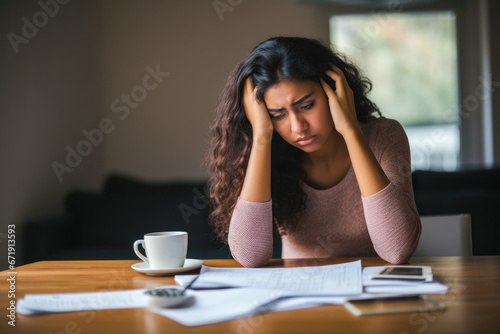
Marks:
<point>272,61</point>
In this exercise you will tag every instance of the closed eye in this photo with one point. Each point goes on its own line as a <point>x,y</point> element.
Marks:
<point>277,117</point>
<point>309,106</point>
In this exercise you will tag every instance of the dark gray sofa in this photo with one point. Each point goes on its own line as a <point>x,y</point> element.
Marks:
<point>104,225</point>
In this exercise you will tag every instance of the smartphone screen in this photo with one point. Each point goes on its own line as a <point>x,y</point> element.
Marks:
<point>402,271</point>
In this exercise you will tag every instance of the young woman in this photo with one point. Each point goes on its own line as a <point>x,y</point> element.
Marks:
<point>296,149</point>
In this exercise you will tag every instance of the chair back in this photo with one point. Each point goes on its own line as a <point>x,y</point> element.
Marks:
<point>445,235</point>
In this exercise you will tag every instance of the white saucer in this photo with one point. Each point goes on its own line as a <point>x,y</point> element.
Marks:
<point>189,264</point>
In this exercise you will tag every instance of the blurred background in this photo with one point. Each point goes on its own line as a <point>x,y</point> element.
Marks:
<point>93,87</point>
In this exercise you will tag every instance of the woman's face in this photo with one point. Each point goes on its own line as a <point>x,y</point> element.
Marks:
<point>300,113</point>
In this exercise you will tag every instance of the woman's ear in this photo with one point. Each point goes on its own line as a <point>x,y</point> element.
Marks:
<point>329,81</point>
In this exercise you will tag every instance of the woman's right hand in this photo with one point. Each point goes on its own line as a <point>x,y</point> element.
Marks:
<point>257,183</point>
<point>256,112</point>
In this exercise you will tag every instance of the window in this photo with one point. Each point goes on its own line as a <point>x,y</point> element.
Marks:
<point>411,60</point>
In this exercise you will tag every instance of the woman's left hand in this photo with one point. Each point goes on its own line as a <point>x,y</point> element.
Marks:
<point>341,102</point>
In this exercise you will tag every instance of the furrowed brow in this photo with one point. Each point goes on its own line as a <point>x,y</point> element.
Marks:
<point>302,99</point>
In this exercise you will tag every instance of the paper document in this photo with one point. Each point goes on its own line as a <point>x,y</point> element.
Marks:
<point>71,302</point>
<point>338,279</point>
<point>208,306</point>
<point>211,306</point>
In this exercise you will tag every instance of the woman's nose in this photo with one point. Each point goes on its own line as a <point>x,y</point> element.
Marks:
<point>299,123</point>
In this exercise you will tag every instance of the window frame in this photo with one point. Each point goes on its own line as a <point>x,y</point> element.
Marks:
<point>474,69</point>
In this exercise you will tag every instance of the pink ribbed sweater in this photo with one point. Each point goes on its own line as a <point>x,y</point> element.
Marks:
<point>339,222</point>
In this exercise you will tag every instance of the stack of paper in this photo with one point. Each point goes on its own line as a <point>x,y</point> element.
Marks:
<point>338,279</point>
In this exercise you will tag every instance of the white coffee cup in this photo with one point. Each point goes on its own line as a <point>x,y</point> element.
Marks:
<point>163,249</point>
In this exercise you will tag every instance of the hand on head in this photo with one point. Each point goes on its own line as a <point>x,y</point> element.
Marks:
<point>256,111</point>
<point>341,101</point>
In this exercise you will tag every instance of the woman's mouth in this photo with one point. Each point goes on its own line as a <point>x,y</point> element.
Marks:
<point>303,141</point>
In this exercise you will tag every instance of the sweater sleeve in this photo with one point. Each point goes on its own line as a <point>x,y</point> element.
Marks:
<point>391,215</point>
<point>251,233</point>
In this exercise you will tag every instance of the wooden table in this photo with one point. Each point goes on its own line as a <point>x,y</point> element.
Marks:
<point>473,301</point>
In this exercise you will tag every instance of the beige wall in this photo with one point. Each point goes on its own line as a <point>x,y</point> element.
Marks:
<point>49,93</point>
<point>165,135</point>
